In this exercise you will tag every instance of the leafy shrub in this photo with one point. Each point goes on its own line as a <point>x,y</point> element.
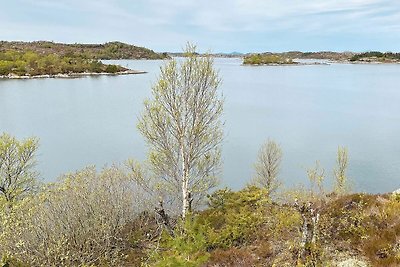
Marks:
<point>77,221</point>
<point>112,69</point>
<point>187,248</point>
<point>234,217</point>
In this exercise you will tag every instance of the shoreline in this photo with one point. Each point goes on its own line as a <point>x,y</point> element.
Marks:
<point>327,62</point>
<point>70,75</point>
<point>288,64</point>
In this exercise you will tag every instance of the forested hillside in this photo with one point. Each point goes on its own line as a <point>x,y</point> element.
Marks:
<point>110,50</point>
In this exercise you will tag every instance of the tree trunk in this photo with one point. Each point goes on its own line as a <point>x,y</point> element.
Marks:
<point>164,217</point>
<point>185,185</point>
<point>185,195</point>
<point>309,230</point>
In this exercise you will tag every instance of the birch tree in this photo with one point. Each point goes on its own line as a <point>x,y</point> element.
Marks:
<point>267,166</point>
<point>182,126</point>
<point>341,181</point>
<point>17,160</point>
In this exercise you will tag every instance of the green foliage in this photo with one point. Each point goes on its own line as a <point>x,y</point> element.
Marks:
<point>345,220</point>
<point>341,181</point>
<point>262,59</point>
<point>17,161</point>
<point>112,69</point>
<point>376,56</point>
<point>79,220</point>
<point>8,261</point>
<point>187,248</point>
<point>111,50</point>
<point>235,216</point>
<point>267,167</point>
<point>182,125</point>
<point>30,63</point>
<point>368,225</point>
<point>225,231</point>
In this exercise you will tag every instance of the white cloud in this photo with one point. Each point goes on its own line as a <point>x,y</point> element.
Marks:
<point>160,23</point>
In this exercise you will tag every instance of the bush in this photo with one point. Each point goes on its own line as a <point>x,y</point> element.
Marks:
<point>78,221</point>
<point>187,248</point>
<point>112,69</point>
<point>234,217</point>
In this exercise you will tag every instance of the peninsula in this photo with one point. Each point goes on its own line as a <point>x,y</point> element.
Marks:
<point>44,59</point>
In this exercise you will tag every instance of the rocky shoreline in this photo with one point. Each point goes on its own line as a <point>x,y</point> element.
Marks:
<point>71,75</point>
<point>295,63</point>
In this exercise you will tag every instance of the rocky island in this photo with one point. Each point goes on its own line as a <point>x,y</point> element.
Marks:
<point>295,57</point>
<point>23,60</point>
<point>376,57</point>
<point>267,59</point>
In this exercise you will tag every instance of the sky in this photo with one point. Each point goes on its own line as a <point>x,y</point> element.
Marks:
<point>216,26</point>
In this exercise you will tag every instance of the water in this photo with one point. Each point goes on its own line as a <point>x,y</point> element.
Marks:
<point>309,110</point>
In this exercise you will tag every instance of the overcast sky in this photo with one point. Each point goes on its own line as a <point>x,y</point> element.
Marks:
<point>219,25</point>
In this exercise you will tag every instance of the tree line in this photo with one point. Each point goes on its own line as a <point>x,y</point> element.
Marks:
<point>376,54</point>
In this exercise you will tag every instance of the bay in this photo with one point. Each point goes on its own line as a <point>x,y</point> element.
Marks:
<point>309,110</point>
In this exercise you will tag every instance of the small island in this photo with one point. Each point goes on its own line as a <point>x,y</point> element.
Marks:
<point>376,57</point>
<point>25,60</point>
<point>24,65</point>
<point>267,59</point>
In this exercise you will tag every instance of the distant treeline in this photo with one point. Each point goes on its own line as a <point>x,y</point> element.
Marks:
<point>31,63</point>
<point>288,57</point>
<point>376,55</point>
<point>111,50</point>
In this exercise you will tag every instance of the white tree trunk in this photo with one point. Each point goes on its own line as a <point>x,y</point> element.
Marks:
<point>185,198</point>
<point>185,185</point>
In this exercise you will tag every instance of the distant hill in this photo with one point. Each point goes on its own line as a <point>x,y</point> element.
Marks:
<point>375,56</point>
<point>349,57</point>
<point>110,50</point>
<point>329,55</point>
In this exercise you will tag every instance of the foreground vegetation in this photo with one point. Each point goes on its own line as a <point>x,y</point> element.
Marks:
<point>163,212</point>
<point>106,218</point>
<point>33,64</point>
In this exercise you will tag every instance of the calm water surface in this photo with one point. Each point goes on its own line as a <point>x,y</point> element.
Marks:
<point>309,110</point>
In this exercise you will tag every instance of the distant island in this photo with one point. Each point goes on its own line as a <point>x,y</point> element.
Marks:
<point>287,58</point>
<point>297,57</point>
<point>44,59</point>
<point>267,59</point>
<point>110,50</point>
<point>376,57</point>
